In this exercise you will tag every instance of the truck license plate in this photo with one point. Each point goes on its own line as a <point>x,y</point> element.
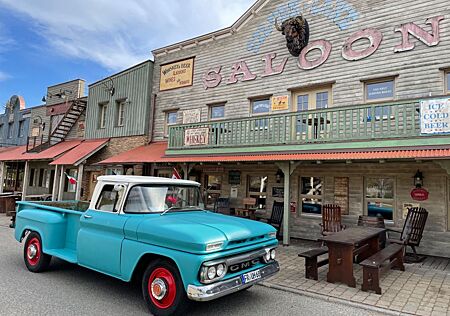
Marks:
<point>251,276</point>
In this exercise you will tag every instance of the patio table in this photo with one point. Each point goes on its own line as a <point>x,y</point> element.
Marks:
<point>342,248</point>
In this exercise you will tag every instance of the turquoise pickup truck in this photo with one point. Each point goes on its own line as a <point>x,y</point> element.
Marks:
<point>154,230</point>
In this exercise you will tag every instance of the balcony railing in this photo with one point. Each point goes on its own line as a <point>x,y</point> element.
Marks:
<point>338,124</point>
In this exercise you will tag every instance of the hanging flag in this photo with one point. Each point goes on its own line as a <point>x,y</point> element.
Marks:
<point>72,180</point>
<point>176,174</point>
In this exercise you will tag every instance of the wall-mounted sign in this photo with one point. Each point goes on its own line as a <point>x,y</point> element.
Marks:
<point>407,206</point>
<point>196,136</point>
<point>176,75</point>
<point>234,177</point>
<point>35,132</point>
<point>419,194</point>
<point>192,116</point>
<point>280,103</point>
<point>278,192</point>
<point>435,116</point>
<point>341,193</point>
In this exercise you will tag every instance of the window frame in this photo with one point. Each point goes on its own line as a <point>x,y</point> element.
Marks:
<point>120,118</point>
<point>116,205</point>
<point>447,82</point>
<point>210,111</point>
<point>393,200</point>
<point>368,82</point>
<point>103,108</point>
<point>166,119</point>
<point>302,196</point>
<point>257,99</point>
<point>21,129</point>
<point>10,130</point>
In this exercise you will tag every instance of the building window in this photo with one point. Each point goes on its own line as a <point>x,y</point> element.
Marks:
<point>21,128</point>
<point>69,187</point>
<point>10,130</point>
<point>260,106</point>
<point>257,188</point>
<point>311,195</point>
<point>114,171</point>
<point>322,100</point>
<point>447,82</point>
<point>217,111</point>
<point>213,185</point>
<point>108,199</point>
<point>380,90</point>
<point>380,197</point>
<point>33,176</point>
<point>102,118</point>
<point>120,113</point>
<point>42,176</point>
<point>171,119</point>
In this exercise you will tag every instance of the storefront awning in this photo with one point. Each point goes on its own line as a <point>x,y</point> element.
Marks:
<point>81,152</point>
<point>12,153</point>
<point>156,153</point>
<point>53,151</point>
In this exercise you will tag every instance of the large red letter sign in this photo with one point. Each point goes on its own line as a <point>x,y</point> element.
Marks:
<point>373,35</point>
<point>212,78</point>
<point>240,68</point>
<point>325,50</point>
<point>269,69</point>
<point>410,28</point>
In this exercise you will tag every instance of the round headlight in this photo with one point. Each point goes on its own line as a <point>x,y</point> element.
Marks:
<point>272,254</point>
<point>220,270</point>
<point>267,256</point>
<point>211,273</point>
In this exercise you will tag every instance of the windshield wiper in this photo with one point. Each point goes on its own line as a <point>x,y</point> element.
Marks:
<point>179,207</point>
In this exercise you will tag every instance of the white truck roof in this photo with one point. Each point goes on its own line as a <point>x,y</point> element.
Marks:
<point>146,180</point>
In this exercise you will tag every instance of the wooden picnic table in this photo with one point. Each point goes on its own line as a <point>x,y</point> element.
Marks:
<point>343,246</point>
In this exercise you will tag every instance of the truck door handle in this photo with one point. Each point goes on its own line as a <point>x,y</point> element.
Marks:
<point>87,216</point>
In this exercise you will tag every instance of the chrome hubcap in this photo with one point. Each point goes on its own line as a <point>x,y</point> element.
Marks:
<point>32,251</point>
<point>159,289</point>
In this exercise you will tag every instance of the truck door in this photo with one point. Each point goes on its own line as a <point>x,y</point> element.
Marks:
<point>101,233</point>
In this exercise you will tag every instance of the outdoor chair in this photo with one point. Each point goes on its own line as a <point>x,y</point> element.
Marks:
<point>276,218</point>
<point>222,206</point>
<point>331,219</point>
<point>374,221</point>
<point>412,232</point>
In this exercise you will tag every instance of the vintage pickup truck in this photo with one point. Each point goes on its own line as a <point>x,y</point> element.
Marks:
<point>154,230</point>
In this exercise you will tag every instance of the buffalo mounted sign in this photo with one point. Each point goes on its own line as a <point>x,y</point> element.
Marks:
<point>419,194</point>
<point>296,30</point>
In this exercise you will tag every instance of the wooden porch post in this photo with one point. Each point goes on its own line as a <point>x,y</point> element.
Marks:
<point>26,180</point>
<point>2,175</point>
<point>61,184</point>
<point>55,185</point>
<point>186,170</point>
<point>79,182</point>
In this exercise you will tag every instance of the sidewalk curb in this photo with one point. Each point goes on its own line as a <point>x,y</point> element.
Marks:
<point>334,300</point>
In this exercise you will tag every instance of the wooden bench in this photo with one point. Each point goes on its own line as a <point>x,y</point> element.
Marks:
<point>373,265</point>
<point>312,264</point>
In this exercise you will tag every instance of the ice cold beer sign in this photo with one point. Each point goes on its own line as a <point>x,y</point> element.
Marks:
<point>435,116</point>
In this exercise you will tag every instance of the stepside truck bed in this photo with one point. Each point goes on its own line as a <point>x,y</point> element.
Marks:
<point>58,221</point>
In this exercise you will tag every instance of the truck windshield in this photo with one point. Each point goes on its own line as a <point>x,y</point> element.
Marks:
<point>156,199</point>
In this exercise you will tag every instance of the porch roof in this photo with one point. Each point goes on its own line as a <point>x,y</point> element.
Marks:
<point>53,151</point>
<point>81,152</point>
<point>12,153</point>
<point>156,153</point>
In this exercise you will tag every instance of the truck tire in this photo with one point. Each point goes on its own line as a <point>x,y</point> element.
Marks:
<point>163,289</point>
<point>35,259</point>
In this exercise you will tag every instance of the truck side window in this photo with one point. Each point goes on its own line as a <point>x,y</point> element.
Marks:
<point>108,199</point>
<point>135,201</point>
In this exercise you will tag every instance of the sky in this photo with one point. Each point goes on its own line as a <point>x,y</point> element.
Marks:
<point>46,42</point>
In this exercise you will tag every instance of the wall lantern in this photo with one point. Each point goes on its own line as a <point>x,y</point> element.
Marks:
<point>279,175</point>
<point>418,179</point>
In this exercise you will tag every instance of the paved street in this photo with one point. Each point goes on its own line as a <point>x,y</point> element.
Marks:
<point>70,290</point>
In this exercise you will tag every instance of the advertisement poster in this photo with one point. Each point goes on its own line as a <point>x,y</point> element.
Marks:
<point>434,116</point>
<point>176,75</point>
<point>196,136</point>
<point>280,103</point>
<point>407,206</point>
<point>192,116</point>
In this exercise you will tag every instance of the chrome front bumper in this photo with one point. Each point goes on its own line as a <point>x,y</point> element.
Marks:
<point>219,289</point>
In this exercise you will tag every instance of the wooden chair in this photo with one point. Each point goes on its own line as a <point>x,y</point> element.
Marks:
<point>412,231</point>
<point>331,219</point>
<point>377,222</point>
<point>222,206</point>
<point>276,218</point>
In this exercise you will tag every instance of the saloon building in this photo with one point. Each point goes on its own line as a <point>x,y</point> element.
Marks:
<point>309,103</point>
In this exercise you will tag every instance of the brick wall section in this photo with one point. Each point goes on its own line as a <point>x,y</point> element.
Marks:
<point>114,147</point>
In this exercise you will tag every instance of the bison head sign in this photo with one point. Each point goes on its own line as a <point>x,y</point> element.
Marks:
<point>296,30</point>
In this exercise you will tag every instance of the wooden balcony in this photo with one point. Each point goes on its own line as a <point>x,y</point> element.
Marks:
<point>337,124</point>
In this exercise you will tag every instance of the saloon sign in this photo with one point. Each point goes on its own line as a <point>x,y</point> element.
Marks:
<point>241,72</point>
<point>196,136</point>
<point>176,75</point>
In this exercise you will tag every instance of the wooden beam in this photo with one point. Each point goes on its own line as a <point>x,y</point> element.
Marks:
<point>79,182</point>
<point>26,180</point>
<point>2,175</point>
<point>55,185</point>
<point>61,184</point>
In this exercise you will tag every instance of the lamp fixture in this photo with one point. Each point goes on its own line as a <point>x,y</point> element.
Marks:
<point>418,179</point>
<point>279,175</point>
<point>109,86</point>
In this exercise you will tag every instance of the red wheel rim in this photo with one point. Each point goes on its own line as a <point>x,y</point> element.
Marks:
<point>33,251</point>
<point>162,294</point>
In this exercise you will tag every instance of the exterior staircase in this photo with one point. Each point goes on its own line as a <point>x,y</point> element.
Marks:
<point>63,128</point>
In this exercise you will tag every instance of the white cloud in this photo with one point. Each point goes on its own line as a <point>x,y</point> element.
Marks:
<point>3,76</point>
<point>117,34</point>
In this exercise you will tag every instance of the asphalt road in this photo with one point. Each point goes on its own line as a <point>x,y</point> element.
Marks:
<point>67,289</point>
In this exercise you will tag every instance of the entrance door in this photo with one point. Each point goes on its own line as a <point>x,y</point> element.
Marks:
<point>311,125</point>
<point>51,181</point>
<point>93,181</point>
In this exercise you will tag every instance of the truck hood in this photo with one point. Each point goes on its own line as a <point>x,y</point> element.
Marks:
<point>191,231</point>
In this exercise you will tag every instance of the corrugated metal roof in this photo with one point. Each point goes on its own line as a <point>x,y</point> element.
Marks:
<point>12,153</point>
<point>156,153</point>
<point>19,153</point>
<point>81,152</point>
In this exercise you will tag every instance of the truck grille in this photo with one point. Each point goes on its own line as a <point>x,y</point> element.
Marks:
<point>244,241</point>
